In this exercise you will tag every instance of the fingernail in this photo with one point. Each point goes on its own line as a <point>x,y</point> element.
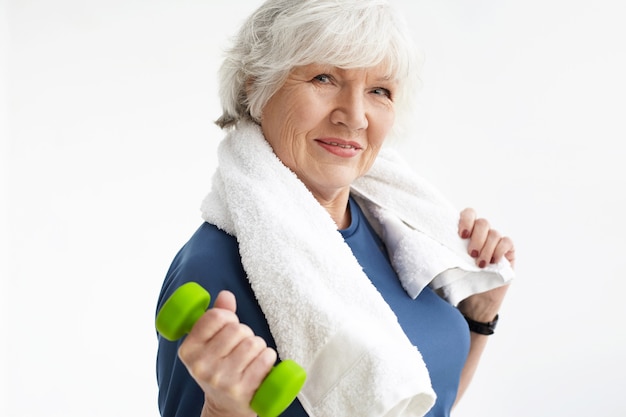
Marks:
<point>493,260</point>
<point>482,264</point>
<point>474,253</point>
<point>464,234</point>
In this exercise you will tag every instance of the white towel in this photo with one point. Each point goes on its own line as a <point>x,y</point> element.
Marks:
<point>414,218</point>
<point>322,310</point>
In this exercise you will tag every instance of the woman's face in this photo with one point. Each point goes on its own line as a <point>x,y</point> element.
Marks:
<point>327,124</point>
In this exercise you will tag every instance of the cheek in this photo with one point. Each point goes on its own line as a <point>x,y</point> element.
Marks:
<point>275,122</point>
<point>382,127</point>
<point>304,113</point>
<point>292,114</point>
<point>378,132</point>
<point>284,134</point>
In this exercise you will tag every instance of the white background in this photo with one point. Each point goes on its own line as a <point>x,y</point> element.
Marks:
<point>106,110</point>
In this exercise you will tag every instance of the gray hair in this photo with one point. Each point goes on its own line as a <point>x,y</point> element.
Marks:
<point>283,34</point>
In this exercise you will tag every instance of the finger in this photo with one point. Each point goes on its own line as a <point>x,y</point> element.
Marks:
<point>488,250</point>
<point>257,369</point>
<point>228,339</point>
<point>226,300</point>
<point>246,352</point>
<point>245,384</point>
<point>505,246</point>
<point>212,321</point>
<point>240,373</point>
<point>478,237</point>
<point>207,326</point>
<point>466,222</point>
<point>209,359</point>
<point>510,256</point>
<point>505,249</point>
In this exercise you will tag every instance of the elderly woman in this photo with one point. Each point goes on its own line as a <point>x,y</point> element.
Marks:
<point>321,245</point>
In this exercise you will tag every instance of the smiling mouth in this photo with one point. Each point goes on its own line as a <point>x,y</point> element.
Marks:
<point>341,145</point>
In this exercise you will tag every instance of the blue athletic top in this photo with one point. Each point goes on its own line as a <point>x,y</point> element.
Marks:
<point>211,258</point>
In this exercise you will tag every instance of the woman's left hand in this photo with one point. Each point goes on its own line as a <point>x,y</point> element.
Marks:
<point>486,245</point>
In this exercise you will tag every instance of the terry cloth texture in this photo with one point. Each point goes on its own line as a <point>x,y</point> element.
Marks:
<point>322,310</point>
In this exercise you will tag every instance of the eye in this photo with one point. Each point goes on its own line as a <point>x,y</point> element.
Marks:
<point>322,78</point>
<point>380,91</point>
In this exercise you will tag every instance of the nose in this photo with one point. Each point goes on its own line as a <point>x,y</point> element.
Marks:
<point>350,110</point>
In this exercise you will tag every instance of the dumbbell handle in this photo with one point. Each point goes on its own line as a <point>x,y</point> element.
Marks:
<point>181,311</point>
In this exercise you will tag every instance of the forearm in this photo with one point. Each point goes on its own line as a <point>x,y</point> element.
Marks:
<point>481,308</point>
<point>478,342</point>
<point>486,245</point>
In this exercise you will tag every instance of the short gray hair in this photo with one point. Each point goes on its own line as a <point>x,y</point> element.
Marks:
<point>283,34</point>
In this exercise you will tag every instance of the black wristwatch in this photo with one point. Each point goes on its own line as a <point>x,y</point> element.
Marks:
<point>482,328</point>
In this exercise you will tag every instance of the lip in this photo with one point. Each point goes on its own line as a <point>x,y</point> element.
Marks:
<point>340,147</point>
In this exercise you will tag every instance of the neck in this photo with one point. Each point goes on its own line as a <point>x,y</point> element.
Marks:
<point>337,207</point>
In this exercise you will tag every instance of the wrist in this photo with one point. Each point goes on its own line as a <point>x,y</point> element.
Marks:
<point>485,328</point>
<point>483,307</point>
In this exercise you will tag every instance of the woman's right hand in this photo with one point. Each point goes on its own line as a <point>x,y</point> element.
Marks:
<point>226,359</point>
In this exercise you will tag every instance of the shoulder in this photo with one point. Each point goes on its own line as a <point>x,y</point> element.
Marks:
<point>210,258</point>
<point>207,244</point>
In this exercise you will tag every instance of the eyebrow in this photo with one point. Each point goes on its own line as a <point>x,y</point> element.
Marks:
<point>387,78</point>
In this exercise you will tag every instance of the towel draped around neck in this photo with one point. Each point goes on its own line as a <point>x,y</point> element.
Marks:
<point>322,309</point>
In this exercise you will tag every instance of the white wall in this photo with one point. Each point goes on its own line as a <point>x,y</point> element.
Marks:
<point>109,149</point>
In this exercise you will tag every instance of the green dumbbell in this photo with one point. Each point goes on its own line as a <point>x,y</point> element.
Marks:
<point>181,311</point>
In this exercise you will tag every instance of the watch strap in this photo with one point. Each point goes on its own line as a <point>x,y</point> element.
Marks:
<point>486,329</point>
